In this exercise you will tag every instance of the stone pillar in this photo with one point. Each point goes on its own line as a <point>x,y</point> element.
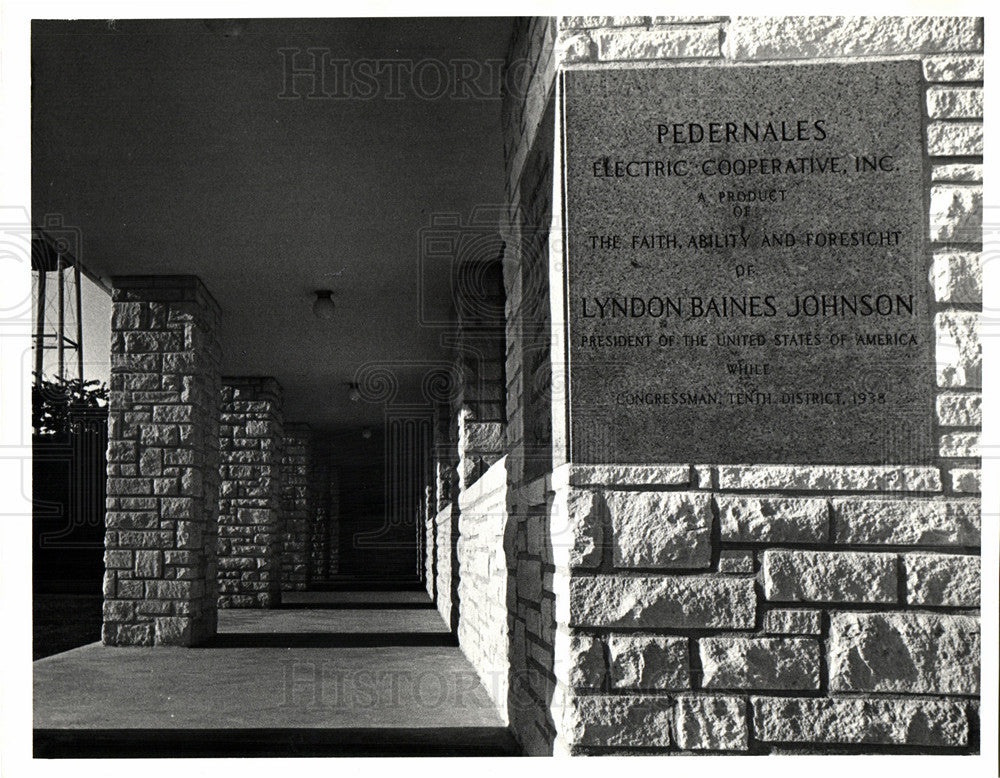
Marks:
<point>333,538</point>
<point>319,489</point>
<point>445,457</point>
<point>297,529</point>
<point>163,463</point>
<point>430,551</point>
<point>250,498</point>
<point>444,518</point>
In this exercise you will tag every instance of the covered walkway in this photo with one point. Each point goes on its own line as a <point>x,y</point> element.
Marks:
<point>338,673</point>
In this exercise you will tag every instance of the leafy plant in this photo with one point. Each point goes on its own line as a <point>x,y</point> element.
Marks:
<point>56,404</point>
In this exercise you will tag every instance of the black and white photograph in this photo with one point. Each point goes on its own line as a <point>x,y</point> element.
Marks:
<point>440,381</point>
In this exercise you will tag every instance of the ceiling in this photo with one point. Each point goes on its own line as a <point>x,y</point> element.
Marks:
<point>167,144</point>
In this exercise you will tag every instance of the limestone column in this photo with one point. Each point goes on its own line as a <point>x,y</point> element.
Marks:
<point>333,527</point>
<point>429,513</point>
<point>445,519</point>
<point>297,520</point>
<point>319,495</point>
<point>163,463</point>
<point>250,498</point>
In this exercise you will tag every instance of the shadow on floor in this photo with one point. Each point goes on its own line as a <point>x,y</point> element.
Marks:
<point>328,639</point>
<point>373,741</point>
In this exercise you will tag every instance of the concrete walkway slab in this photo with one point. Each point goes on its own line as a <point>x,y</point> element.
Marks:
<point>280,671</point>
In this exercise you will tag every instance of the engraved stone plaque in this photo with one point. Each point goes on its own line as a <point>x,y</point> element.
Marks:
<point>747,265</point>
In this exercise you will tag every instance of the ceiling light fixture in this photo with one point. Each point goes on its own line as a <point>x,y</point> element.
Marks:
<point>354,395</point>
<point>366,433</point>
<point>323,306</point>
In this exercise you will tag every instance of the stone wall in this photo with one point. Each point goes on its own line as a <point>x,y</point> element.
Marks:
<point>482,585</point>
<point>333,526</point>
<point>250,532</point>
<point>297,518</point>
<point>446,569</point>
<point>445,454</point>
<point>532,196</point>
<point>748,608</point>
<point>163,463</point>
<point>765,608</point>
<point>429,538</point>
<point>319,500</point>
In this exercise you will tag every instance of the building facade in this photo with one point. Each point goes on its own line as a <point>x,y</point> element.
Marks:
<point>711,602</point>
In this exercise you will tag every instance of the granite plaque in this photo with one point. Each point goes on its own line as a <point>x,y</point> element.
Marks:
<point>746,265</point>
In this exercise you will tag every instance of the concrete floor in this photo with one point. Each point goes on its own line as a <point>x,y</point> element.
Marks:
<point>331,673</point>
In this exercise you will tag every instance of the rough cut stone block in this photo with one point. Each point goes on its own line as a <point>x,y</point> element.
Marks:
<point>954,139</point>
<point>576,22</point>
<point>578,660</point>
<point>958,353</point>
<point>117,634</point>
<point>148,564</point>
<point>869,478</point>
<point>956,213</point>
<point>174,630</point>
<point>120,486</point>
<point>662,601</point>
<point>829,576</point>
<point>959,172</point>
<point>629,475</point>
<point>577,530</point>
<point>736,562</point>
<point>906,522</point>
<point>806,37</point>
<point>960,410</point>
<point>687,19</point>
<point>711,723</point>
<point>658,43</point>
<point>118,558</point>
<point>702,476</point>
<point>118,610</point>
<point>957,277</point>
<point>643,662</point>
<point>772,520</point>
<point>661,529</point>
<point>905,653</point>
<point>130,520</point>
<point>483,436</point>
<point>955,102</point>
<point>889,722</point>
<point>942,579</point>
<point>787,621</point>
<point>575,47</point>
<point>954,67</point>
<point>631,720</point>
<point>959,444</point>
<point>965,480</point>
<point>759,663</point>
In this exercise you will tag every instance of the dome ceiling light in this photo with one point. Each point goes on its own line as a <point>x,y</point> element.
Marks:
<point>323,306</point>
